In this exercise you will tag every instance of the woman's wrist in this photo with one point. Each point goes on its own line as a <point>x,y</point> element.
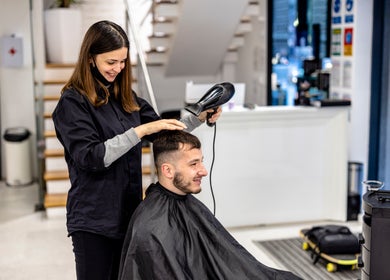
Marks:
<point>139,131</point>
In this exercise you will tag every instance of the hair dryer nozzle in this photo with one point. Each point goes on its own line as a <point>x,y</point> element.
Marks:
<point>195,109</point>
<point>216,96</point>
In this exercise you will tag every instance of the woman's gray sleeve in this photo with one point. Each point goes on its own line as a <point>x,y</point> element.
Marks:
<point>191,121</point>
<point>119,145</point>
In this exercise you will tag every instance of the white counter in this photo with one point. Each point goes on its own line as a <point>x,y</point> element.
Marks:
<point>277,165</point>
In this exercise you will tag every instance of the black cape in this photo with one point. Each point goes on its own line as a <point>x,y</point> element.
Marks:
<point>176,237</point>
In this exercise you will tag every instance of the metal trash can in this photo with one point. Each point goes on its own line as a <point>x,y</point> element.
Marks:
<point>17,156</point>
<point>355,178</point>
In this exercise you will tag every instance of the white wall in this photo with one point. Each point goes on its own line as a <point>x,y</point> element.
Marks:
<point>16,84</point>
<point>351,76</point>
<point>252,61</point>
<point>361,97</point>
<point>170,91</point>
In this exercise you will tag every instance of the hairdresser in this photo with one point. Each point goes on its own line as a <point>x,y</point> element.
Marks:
<point>100,122</point>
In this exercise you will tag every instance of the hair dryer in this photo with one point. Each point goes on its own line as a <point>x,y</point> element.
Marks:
<point>216,96</point>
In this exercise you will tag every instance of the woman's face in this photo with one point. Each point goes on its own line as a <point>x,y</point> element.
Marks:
<point>110,64</point>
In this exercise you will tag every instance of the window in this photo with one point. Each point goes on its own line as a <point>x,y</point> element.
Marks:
<point>300,47</point>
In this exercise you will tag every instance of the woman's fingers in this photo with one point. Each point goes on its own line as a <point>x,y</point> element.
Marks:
<point>172,124</point>
<point>216,113</point>
<point>157,126</point>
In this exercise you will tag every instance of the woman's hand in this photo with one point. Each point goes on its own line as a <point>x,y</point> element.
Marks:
<point>157,126</point>
<point>214,117</point>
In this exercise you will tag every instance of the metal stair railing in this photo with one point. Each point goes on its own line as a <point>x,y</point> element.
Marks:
<point>143,77</point>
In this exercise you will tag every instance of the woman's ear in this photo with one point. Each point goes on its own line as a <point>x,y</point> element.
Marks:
<point>92,61</point>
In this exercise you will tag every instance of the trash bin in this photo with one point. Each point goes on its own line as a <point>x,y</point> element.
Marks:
<point>17,156</point>
<point>355,178</point>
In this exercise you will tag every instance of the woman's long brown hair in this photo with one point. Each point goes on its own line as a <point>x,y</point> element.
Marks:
<point>101,37</point>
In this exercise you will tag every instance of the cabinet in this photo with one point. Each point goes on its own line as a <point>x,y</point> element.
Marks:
<point>277,164</point>
<point>376,232</point>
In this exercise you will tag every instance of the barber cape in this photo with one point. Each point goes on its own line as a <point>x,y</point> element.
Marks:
<point>174,236</point>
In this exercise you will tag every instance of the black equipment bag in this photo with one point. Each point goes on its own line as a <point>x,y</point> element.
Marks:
<point>333,239</point>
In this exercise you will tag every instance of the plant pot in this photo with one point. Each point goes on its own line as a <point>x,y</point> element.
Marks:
<point>63,35</point>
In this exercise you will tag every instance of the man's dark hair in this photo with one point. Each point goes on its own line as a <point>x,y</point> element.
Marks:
<point>169,141</point>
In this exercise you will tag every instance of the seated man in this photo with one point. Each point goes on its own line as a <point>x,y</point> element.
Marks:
<point>172,235</point>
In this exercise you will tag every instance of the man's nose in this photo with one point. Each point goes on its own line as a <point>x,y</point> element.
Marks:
<point>203,171</point>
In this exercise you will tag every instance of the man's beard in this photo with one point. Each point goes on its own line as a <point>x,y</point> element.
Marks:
<point>179,183</point>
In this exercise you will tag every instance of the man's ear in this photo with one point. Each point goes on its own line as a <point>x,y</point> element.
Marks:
<point>167,170</point>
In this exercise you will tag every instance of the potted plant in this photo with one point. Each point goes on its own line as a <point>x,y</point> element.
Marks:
<point>63,32</point>
<point>65,3</point>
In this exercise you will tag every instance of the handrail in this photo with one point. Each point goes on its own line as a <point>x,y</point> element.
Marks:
<point>140,53</point>
<point>149,11</point>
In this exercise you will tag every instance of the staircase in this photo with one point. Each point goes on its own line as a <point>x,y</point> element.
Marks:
<point>166,41</point>
<point>161,41</point>
<point>54,175</point>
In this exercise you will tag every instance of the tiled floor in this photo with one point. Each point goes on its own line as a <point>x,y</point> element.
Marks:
<point>31,246</point>
<point>35,247</point>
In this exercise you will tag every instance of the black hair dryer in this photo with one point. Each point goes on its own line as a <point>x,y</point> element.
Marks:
<point>216,96</point>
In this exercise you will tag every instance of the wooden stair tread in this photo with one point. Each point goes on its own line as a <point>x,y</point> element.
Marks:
<point>145,150</point>
<point>160,35</point>
<point>159,2</point>
<point>159,20</point>
<point>49,133</point>
<point>56,175</point>
<point>55,200</point>
<point>52,97</point>
<point>60,65</point>
<point>54,152</point>
<point>55,82</point>
<point>245,20</point>
<point>146,170</point>
<point>154,64</point>
<point>63,174</point>
<point>157,50</point>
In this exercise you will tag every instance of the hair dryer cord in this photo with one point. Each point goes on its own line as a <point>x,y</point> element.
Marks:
<point>211,169</point>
